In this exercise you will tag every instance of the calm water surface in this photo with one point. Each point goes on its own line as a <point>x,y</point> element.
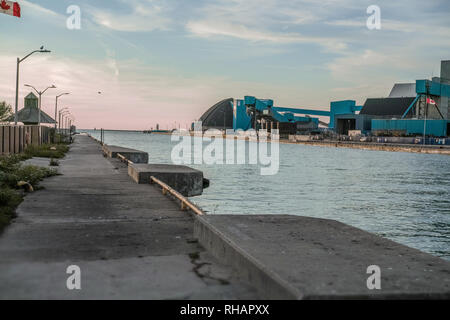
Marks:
<point>402,196</point>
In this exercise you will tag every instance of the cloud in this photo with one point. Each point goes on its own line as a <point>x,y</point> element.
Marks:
<point>139,16</point>
<point>395,25</point>
<point>368,73</point>
<point>136,98</point>
<point>346,67</point>
<point>208,29</point>
<point>112,63</point>
<point>32,8</point>
<point>259,21</point>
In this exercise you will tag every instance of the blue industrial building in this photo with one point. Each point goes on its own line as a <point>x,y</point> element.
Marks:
<point>251,113</point>
<point>412,127</point>
<point>421,108</point>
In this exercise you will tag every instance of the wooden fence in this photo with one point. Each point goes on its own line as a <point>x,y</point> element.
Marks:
<point>14,139</point>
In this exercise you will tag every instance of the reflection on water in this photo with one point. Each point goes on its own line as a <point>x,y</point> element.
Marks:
<point>402,196</point>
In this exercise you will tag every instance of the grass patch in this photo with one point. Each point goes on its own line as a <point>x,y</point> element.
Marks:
<point>54,163</point>
<point>55,151</point>
<point>15,180</point>
<point>9,200</point>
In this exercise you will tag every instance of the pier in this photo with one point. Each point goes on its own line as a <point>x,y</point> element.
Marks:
<point>129,240</point>
<point>132,241</point>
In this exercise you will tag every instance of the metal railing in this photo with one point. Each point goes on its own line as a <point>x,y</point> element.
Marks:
<point>124,159</point>
<point>185,203</point>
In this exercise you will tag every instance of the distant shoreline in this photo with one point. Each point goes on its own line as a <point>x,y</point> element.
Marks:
<point>121,130</point>
<point>374,146</point>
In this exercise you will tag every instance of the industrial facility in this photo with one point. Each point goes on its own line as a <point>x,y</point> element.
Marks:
<point>411,109</point>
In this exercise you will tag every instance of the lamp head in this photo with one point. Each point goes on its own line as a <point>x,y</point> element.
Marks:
<point>41,49</point>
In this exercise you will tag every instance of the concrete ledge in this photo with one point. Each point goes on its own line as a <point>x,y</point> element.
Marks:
<point>133,155</point>
<point>293,257</point>
<point>185,180</point>
<point>267,283</point>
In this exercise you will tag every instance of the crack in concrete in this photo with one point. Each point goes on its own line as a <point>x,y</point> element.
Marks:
<point>195,257</point>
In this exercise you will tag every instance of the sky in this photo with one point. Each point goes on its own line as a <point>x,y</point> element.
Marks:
<point>168,61</point>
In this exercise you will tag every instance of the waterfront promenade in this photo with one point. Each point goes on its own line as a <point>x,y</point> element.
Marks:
<point>129,240</point>
<point>132,242</point>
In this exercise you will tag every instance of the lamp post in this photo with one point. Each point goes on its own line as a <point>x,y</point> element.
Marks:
<point>72,120</point>
<point>64,119</point>
<point>41,50</point>
<point>40,93</point>
<point>69,123</point>
<point>60,114</point>
<point>56,105</point>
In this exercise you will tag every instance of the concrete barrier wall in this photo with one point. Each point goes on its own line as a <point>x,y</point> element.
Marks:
<point>15,139</point>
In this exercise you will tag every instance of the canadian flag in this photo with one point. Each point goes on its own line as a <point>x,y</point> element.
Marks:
<point>430,101</point>
<point>9,7</point>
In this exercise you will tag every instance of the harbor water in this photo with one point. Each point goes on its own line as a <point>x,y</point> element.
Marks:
<point>401,196</point>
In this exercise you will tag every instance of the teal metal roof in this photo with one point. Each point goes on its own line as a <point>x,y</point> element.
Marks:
<point>30,113</point>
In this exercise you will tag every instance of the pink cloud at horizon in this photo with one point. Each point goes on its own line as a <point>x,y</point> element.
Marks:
<point>128,99</point>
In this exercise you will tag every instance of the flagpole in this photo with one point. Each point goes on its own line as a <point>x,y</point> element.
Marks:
<point>425,122</point>
<point>17,94</point>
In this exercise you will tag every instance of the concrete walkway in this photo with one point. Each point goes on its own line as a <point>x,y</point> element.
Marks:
<point>129,240</point>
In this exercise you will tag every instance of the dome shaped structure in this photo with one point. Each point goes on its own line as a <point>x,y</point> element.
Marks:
<point>219,116</point>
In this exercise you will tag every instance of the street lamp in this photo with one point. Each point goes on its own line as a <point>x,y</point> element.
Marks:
<point>64,120</point>
<point>41,50</point>
<point>72,120</point>
<point>69,124</point>
<point>40,93</point>
<point>56,105</point>
<point>66,123</point>
<point>60,114</point>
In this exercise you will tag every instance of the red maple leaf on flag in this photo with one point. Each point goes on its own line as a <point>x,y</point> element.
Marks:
<point>4,5</point>
<point>430,101</point>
